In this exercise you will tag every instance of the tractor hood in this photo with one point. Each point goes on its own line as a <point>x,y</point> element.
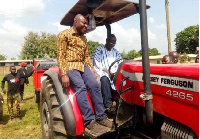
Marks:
<point>108,11</point>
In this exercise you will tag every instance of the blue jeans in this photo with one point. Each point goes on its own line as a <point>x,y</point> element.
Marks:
<point>106,91</point>
<point>80,80</point>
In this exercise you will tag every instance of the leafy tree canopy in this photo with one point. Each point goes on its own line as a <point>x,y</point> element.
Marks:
<point>152,52</point>
<point>13,58</point>
<point>3,57</point>
<point>92,46</point>
<point>37,45</point>
<point>187,40</point>
<point>123,54</point>
<point>133,54</point>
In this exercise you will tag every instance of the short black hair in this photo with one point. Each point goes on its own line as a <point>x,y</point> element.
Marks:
<point>111,35</point>
<point>12,66</point>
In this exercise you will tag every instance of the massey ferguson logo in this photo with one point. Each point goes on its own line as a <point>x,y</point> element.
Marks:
<point>167,81</point>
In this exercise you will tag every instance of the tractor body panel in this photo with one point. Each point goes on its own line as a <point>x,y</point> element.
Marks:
<point>40,67</point>
<point>175,90</point>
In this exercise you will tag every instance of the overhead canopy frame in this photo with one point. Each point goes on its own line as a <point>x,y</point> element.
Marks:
<point>107,11</point>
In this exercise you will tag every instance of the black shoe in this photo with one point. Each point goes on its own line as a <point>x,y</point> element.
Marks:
<point>107,123</point>
<point>94,129</point>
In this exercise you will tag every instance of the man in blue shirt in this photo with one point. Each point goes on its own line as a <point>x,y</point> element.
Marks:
<point>102,58</point>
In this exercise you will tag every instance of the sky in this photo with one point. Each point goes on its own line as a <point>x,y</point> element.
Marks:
<point>18,17</point>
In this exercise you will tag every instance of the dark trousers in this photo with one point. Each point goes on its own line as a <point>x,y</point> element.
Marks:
<point>80,80</point>
<point>21,91</point>
<point>106,91</point>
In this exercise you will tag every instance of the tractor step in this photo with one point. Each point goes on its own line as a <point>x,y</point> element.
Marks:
<point>90,135</point>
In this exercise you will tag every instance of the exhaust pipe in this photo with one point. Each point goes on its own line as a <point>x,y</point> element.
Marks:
<point>147,96</point>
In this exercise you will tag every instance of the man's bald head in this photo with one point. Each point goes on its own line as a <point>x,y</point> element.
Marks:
<point>166,59</point>
<point>78,17</point>
<point>80,24</point>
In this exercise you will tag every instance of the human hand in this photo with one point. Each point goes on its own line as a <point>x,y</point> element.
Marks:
<point>4,91</point>
<point>107,72</point>
<point>65,81</point>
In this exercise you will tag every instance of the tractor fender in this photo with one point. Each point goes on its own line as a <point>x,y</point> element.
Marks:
<point>64,101</point>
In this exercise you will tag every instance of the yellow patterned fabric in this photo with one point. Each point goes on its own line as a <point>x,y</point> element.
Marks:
<point>13,100</point>
<point>72,51</point>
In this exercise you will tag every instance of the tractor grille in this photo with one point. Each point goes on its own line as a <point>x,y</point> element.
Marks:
<point>174,130</point>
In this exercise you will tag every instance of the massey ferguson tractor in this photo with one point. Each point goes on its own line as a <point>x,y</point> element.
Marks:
<point>154,100</point>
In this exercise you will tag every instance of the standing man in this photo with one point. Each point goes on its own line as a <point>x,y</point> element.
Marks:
<point>23,78</point>
<point>13,96</point>
<point>102,58</point>
<point>76,68</point>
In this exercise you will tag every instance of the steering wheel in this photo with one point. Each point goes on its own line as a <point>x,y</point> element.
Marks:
<point>113,63</point>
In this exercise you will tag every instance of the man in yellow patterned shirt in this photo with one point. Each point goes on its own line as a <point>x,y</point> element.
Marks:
<point>76,68</point>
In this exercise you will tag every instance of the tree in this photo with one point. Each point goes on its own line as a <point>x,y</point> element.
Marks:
<point>3,57</point>
<point>13,58</point>
<point>187,40</point>
<point>92,46</point>
<point>37,45</point>
<point>133,54</point>
<point>152,52</point>
<point>123,54</point>
<point>184,58</point>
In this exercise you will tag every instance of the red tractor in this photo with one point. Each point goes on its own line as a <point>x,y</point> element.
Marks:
<point>154,100</point>
<point>40,65</point>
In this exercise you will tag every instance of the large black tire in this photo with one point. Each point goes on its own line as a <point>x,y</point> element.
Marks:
<point>53,124</point>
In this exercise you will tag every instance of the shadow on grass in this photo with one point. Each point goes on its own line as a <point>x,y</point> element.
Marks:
<point>6,117</point>
<point>29,98</point>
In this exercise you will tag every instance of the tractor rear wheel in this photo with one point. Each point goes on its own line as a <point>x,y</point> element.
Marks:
<point>52,121</point>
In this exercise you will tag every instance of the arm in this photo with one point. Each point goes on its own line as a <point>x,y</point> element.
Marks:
<point>87,58</point>
<point>61,53</point>
<point>3,84</point>
<point>61,58</point>
<point>97,62</point>
<point>22,75</point>
<point>118,56</point>
<point>29,74</point>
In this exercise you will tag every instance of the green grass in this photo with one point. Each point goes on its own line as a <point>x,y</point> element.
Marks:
<point>28,126</point>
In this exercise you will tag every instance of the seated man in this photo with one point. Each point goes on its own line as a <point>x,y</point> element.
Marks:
<point>76,68</point>
<point>174,55</point>
<point>167,59</point>
<point>102,58</point>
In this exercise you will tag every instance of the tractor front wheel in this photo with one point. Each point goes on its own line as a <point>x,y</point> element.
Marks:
<point>52,121</point>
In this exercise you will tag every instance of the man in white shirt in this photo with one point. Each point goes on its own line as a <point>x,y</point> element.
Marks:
<point>102,58</point>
